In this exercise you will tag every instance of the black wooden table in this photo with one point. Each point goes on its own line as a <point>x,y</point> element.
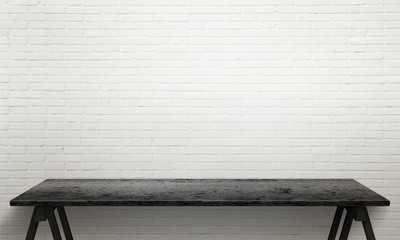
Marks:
<point>54,194</point>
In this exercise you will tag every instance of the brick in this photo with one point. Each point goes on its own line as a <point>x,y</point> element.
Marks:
<point>197,89</point>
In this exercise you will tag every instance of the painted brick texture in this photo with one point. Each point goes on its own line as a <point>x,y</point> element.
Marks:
<point>200,89</point>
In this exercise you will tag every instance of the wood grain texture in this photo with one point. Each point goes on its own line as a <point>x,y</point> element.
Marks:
<point>200,192</point>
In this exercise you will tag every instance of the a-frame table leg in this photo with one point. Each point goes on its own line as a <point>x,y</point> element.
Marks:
<point>43,213</point>
<point>353,213</point>
<point>335,223</point>
<point>64,223</point>
<point>53,223</point>
<point>369,232</point>
<point>33,225</point>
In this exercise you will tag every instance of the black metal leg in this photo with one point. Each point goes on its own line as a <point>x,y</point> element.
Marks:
<point>53,224</point>
<point>335,223</point>
<point>351,212</point>
<point>64,223</point>
<point>47,213</point>
<point>369,232</point>
<point>33,225</point>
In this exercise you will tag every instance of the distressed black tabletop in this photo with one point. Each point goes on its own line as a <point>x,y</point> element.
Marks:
<point>199,192</point>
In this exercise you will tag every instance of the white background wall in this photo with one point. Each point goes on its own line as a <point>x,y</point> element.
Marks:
<point>199,89</point>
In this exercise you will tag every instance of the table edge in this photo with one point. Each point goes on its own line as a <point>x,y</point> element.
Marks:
<point>16,202</point>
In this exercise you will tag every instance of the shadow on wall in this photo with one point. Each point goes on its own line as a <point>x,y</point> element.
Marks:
<point>289,223</point>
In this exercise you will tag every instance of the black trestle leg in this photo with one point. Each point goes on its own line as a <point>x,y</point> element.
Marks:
<point>33,225</point>
<point>335,223</point>
<point>43,213</point>
<point>369,232</point>
<point>53,224</point>
<point>351,212</point>
<point>64,223</point>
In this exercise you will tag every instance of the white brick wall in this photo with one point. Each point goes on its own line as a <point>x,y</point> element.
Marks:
<point>199,89</point>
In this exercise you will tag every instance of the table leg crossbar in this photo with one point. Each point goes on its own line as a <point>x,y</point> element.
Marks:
<point>352,213</point>
<point>43,213</point>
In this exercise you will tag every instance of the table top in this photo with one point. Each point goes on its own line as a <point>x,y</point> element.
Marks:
<point>199,192</point>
